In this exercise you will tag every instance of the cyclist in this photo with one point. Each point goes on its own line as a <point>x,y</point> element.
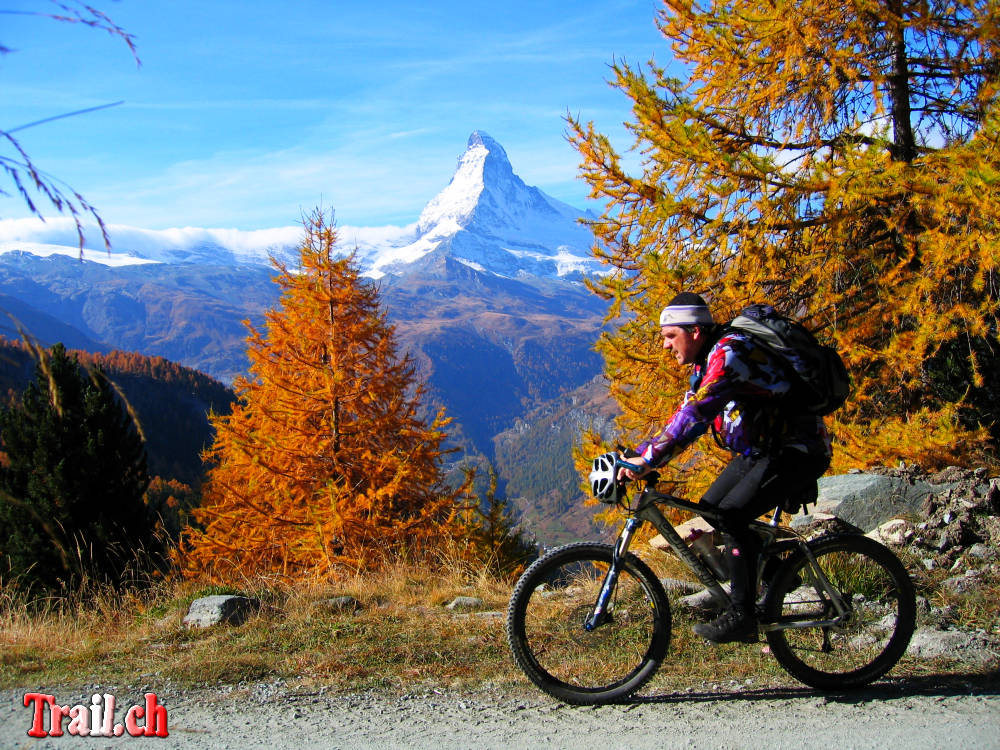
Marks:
<point>736,391</point>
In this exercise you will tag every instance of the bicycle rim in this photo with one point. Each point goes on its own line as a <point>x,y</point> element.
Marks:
<point>862,644</point>
<point>548,611</point>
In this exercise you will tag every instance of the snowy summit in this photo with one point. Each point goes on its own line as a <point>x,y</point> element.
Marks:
<point>486,218</point>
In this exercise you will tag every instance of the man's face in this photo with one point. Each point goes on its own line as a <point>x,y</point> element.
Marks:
<point>682,343</point>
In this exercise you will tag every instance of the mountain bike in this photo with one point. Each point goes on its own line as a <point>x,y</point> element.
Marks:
<point>590,623</point>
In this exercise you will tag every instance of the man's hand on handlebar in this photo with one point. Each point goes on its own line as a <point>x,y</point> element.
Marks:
<point>641,467</point>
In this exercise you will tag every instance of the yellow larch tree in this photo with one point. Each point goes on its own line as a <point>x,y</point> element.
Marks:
<point>840,160</point>
<point>323,464</point>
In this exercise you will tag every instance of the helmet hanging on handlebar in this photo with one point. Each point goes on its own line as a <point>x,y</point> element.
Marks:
<point>603,482</point>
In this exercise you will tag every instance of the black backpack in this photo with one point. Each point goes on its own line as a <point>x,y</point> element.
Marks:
<point>820,382</point>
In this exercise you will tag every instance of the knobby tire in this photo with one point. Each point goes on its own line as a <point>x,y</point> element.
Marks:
<point>866,643</point>
<point>545,625</point>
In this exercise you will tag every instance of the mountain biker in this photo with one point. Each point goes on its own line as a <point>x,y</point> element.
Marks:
<point>736,390</point>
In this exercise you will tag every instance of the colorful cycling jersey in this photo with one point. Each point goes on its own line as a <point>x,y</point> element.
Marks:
<point>736,391</point>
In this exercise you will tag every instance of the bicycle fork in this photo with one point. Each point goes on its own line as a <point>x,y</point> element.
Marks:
<point>601,609</point>
<point>651,513</point>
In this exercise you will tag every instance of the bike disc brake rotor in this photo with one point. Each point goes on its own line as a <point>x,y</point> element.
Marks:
<point>577,630</point>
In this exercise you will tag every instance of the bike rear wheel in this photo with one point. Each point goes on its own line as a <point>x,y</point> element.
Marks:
<point>862,644</point>
<point>548,610</point>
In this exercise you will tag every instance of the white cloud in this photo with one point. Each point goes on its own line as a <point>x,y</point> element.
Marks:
<point>58,235</point>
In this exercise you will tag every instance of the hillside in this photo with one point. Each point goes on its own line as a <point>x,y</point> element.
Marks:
<point>172,403</point>
<point>535,458</point>
<point>191,314</point>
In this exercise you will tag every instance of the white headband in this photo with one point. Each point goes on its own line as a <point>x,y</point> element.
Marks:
<point>685,315</point>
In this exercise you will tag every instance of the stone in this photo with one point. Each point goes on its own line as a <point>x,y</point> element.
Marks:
<point>465,602</point>
<point>894,532</point>
<point>219,609</point>
<point>685,529</point>
<point>680,586</point>
<point>982,552</point>
<point>868,500</point>
<point>341,604</point>
<point>950,474</point>
<point>962,584</point>
<point>929,643</point>
<point>703,600</point>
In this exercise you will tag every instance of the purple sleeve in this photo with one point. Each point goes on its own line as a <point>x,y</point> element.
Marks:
<point>729,373</point>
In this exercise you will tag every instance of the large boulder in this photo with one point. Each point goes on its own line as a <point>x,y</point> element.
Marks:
<point>220,608</point>
<point>869,499</point>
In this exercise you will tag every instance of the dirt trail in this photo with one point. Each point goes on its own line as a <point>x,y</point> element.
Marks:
<point>916,714</point>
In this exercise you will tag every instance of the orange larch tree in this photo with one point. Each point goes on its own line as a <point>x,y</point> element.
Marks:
<point>840,160</point>
<point>324,463</point>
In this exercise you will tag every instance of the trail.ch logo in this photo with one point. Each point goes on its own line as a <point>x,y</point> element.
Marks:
<point>96,719</point>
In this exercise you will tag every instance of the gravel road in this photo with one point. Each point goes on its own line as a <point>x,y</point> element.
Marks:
<point>912,713</point>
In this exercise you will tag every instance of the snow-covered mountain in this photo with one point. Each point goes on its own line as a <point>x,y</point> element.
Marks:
<point>491,220</point>
<point>486,218</point>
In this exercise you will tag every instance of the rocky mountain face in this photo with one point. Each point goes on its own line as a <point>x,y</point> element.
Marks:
<point>484,289</point>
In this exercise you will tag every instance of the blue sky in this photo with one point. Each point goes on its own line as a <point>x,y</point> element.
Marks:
<point>244,114</point>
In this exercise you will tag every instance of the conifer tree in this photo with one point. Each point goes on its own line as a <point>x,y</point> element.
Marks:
<point>324,462</point>
<point>492,538</point>
<point>840,160</point>
<point>72,482</point>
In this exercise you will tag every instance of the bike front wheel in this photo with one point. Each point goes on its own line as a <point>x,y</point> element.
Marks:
<point>549,611</point>
<point>829,649</point>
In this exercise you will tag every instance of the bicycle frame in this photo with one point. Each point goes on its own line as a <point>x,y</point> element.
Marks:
<point>646,510</point>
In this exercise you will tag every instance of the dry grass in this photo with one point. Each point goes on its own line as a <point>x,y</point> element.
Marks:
<point>402,637</point>
<point>402,633</point>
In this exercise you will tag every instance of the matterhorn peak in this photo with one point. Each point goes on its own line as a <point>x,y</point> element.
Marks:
<point>479,139</point>
<point>483,162</point>
<point>488,218</point>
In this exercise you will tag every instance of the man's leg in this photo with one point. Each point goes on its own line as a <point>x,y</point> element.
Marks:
<point>746,489</point>
<point>732,494</point>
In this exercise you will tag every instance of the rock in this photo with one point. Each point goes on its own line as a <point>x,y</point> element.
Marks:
<point>895,532</point>
<point>982,552</point>
<point>867,500</point>
<point>465,602</point>
<point>676,584</point>
<point>974,648</point>
<point>951,474</point>
<point>940,618</point>
<point>818,524</point>
<point>341,604</point>
<point>807,519</point>
<point>685,529</point>
<point>962,584</point>
<point>220,609</point>
<point>702,600</point>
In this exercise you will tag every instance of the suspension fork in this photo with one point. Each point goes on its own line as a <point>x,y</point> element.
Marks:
<point>600,614</point>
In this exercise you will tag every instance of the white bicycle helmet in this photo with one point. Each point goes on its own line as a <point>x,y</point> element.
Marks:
<point>603,483</point>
